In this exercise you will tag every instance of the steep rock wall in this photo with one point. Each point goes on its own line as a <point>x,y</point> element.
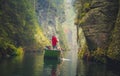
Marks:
<point>51,15</point>
<point>114,48</point>
<point>97,19</point>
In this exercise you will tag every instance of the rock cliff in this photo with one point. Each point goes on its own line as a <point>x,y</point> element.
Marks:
<point>114,48</point>
<point>51,15</point>
<point>99,21</point>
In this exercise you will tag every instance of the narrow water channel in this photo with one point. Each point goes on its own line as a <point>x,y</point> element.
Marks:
<point>33,64</point>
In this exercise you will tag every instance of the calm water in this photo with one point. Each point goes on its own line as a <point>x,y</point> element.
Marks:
<point>33,64</point>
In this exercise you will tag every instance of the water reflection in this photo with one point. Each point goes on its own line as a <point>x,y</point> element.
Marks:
<point>30,64</point>
<point>33,64</point>
<point>94,69</point>
<point>8,66</point>
<point>52,67</point>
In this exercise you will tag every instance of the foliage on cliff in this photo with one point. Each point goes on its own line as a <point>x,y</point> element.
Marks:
<point>101,30</point>
<point>51,15</point>
<point>19,26</point>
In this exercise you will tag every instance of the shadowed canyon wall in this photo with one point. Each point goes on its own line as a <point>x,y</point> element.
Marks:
<point>99,22</point>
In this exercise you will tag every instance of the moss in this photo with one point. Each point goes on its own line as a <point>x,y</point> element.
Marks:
<point>19,51</point>
<point>82,43</point>
<point>8,50</point>
<point>0,55</point>
<point>82,51</point>
<point>13,51</point>
<point>40,39</point>
<point>86,7</point>
<point>82,14</point>
<point>99,55</point>
<point>0,13</point>
<point>114,48</point>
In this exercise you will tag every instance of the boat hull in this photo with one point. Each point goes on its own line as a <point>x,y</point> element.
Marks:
<point>52,54</point>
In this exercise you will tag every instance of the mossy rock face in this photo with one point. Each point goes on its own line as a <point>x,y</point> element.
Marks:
<point>98,22</point>
<point>19,26</point>
<point>100,28</point>
<point>114,48</point>
<point>11,50</point>
<point>0,55</point>
<point>99,55</point>
<point>8,49</point>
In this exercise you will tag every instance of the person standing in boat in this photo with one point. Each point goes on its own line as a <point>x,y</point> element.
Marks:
<point>54,42</point>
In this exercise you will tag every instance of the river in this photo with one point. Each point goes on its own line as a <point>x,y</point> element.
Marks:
<point>33,64</point>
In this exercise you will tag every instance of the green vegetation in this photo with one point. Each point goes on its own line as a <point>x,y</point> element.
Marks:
<point>19,27</point>
<point>86,5</point>
<point>99,55</point>
<point>7,49</point>
<point>82,43</point>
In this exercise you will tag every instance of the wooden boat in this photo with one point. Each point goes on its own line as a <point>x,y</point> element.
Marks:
<point>52,54</point>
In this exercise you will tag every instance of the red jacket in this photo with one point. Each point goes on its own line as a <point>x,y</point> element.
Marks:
<point>54,41</point>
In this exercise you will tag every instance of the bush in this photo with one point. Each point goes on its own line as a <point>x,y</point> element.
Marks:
<point>13,51</point>
<point>19,51</point>
<point>7,50</point>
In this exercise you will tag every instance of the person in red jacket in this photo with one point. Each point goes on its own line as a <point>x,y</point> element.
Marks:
<point>54,42</point>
